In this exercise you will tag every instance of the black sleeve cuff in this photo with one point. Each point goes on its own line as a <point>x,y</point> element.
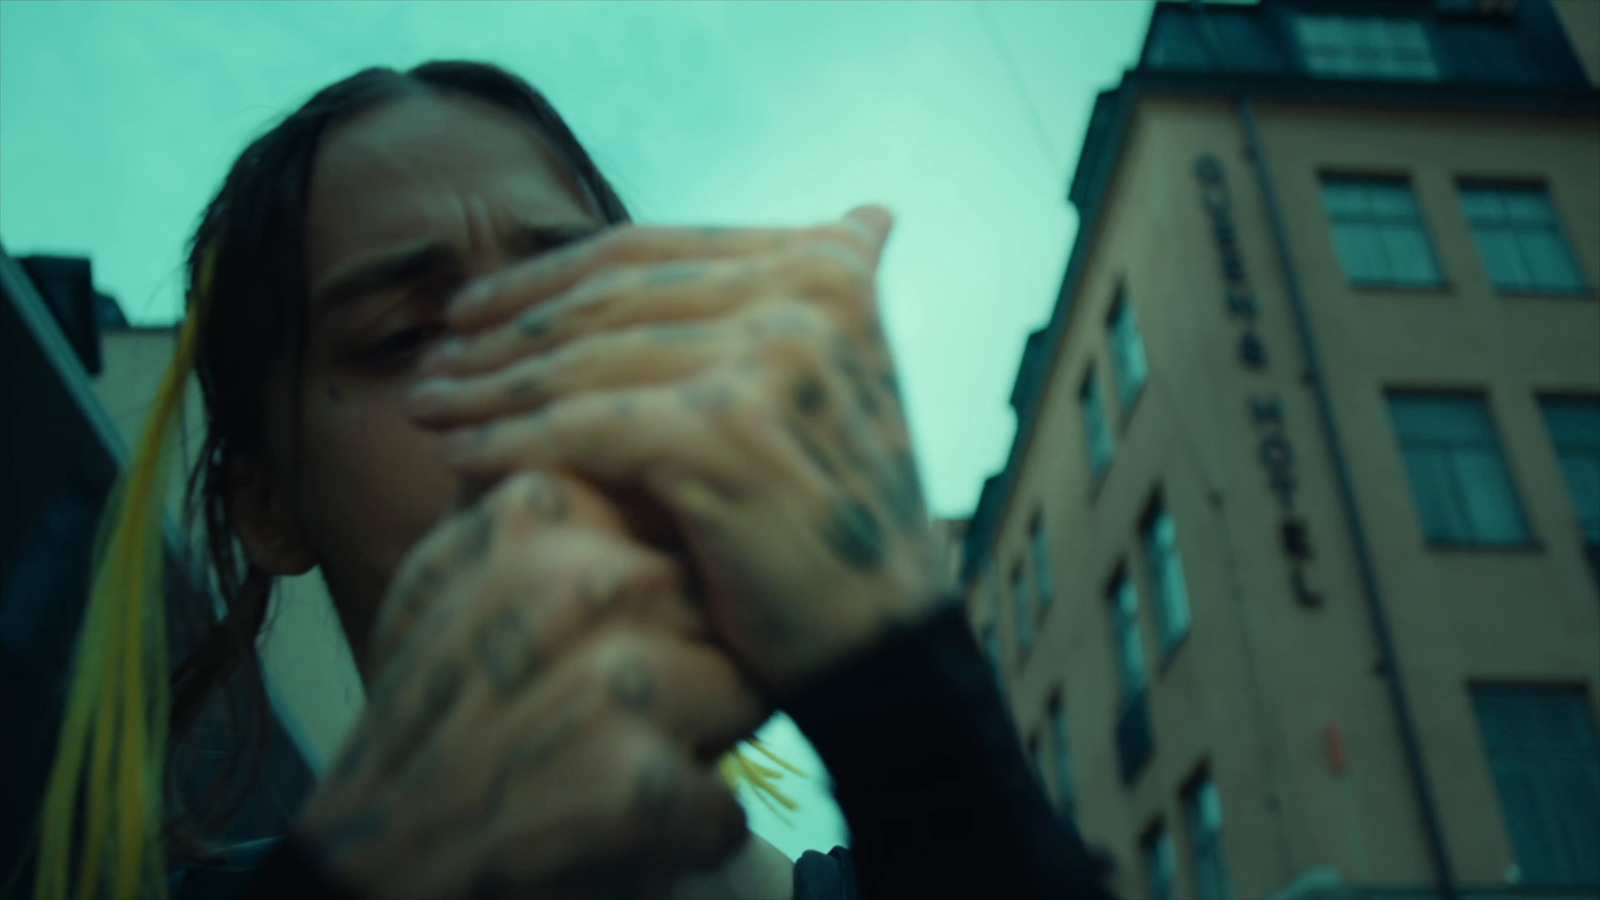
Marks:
<point>930,775</point>
<point>293,870</point>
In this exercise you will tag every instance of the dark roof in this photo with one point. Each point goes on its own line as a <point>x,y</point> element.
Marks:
<point>1521,61</point>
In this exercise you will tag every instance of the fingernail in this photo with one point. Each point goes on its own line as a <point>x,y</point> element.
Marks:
<point>441,356</point>
<point>474,295</point>
<point>429,396</point>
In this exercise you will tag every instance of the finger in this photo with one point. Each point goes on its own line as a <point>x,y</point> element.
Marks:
<point>558,592</point>
<point>522,505</point>
<point>629,358</point>
<point>829,270</point>
<point>872,223</point>
<point>426,574</point>
<point>638,806</point>
<point>690,691</point>
<point>507,293</point>
<point>620,436</point>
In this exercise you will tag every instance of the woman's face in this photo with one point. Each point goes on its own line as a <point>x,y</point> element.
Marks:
<point>408,202</point>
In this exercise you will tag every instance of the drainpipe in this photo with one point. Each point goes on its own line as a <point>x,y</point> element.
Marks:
<point>1352,515</point>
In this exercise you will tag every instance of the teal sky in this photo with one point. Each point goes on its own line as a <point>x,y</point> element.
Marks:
<point>118,121</point>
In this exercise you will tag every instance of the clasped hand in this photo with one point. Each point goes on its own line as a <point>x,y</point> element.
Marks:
<point>741,378</point>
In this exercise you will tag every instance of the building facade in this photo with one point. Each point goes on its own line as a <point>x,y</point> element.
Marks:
<point>1292,576</point>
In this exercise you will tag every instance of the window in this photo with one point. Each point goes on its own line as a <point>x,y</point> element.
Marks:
<point>1036,753</point>
<point>1160,864</point>
<point>1170,593</point>
<point>1379,233</point>
<point>1127,352</point>
<point>1124,598</point>
<point>1095,430</point>
<point>1061,758</point>
<point>1366,47</point>
<point>1019,597</point>
<point>1202,808</point>
<point>1517,234</point>
<point>1041,562</point>
<point>1458,476</point>
<point>1546,766</point>
<point>1574,425</point>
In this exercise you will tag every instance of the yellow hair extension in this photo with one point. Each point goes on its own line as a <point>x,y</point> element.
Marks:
<point>738,770</point>
<point>118,704</point>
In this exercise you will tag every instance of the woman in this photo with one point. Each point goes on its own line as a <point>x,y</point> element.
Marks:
<point>591,501</point>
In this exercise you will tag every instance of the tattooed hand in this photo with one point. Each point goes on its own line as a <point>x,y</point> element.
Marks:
<point>741,377</point>
<point>545,719</point>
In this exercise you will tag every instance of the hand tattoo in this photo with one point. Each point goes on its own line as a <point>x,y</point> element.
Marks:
<point>809,395</point>
<point>505,645</point>
<point>631,685</point>
<point>852,532</point>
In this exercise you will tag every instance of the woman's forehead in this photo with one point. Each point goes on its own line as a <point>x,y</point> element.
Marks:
<point>432,167</point>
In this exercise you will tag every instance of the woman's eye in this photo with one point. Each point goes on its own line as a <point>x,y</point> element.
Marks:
<point>401,345</point>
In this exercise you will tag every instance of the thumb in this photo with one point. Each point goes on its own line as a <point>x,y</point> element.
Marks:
<point>873,222</point>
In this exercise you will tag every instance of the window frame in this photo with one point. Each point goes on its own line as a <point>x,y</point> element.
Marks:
<point>1545,401</point>
<point>1089,397</point>
<point>1529,539</point>
<point>1122,577</point>
<point>1583,288</point>
<point>1297,42</point>
<point>1156,509</point>
<point>1190,800</point>
<point>1496,761</point>
<point>1120,312</point>
<point>1441,281</point>
<point>1024,617</point>
<point>1157,835</point>
<point>1043,574</point>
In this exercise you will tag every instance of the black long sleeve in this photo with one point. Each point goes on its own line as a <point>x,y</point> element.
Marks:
<point>931,778</point>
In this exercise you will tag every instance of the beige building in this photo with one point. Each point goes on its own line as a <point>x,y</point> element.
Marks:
<point>1291,574</point>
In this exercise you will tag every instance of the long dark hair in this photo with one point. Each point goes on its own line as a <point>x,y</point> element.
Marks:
<point>246,270</point>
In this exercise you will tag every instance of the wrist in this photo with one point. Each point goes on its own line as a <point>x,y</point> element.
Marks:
<point>845,633</point>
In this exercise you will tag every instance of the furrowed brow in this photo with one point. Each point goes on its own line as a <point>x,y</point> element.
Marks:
<point>396,270</point>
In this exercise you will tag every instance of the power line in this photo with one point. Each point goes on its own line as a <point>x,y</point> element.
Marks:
<point>1046,146</point>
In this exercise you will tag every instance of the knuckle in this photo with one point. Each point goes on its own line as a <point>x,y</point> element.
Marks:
<point>836,268</point>
<point>529,497</point>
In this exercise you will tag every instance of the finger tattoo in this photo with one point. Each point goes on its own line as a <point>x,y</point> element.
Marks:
<point>852,532</point>
<point>845,358</point>
<point>535,323</point>
<point>631,685</point>
<point>599,592</point>
<point>524,388</point>
<point>811,448</point>
<point>505,645</point>
<point>548,500</point>
<point>809,395</point>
